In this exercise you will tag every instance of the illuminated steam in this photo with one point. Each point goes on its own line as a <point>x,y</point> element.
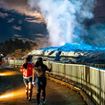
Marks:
<point>65,18</point>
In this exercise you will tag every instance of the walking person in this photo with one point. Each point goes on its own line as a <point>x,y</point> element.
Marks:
<point>40,71</point>
<point>27,70</point>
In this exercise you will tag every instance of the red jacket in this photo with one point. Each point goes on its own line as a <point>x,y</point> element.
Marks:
<point>29,71</point>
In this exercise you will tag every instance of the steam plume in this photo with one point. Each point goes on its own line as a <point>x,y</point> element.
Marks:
<point>65,18</point>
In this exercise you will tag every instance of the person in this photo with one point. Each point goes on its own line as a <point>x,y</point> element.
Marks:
<point>58,57</point>
<point>27,70</point>
<point>40,71</point>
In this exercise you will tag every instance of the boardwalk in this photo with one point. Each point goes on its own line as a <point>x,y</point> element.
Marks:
<point>12,92</point>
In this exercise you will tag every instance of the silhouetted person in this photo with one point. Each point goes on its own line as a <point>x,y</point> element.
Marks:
<point>40,71</point>
<point>58,57</point>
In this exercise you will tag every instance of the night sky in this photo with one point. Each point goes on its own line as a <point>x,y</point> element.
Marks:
<point>17,19</point>
<point>21,7</point>
<point>15,3</point>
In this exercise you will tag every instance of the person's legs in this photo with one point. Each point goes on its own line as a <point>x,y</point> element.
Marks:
<point>38,95</point>
<point>30,88</point>
<point>43,94</point>
<point>26,91</point>
<point>38,91</point>
<point>44,90</point>
<point>26,85</point>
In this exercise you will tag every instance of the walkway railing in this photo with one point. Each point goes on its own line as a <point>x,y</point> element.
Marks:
<point>89,79</point>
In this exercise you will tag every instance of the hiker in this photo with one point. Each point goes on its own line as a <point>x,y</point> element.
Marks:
<point>27,70</point>
<point>40,71</point>
<point>58,57</point>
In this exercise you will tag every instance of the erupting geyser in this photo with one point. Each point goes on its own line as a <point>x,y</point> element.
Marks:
<point>65,19</point>
<point>66,22</point>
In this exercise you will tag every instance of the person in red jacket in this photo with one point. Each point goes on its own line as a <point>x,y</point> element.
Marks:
<point>27,70</point>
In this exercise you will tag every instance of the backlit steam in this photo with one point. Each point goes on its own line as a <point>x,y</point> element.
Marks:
<point>65,18</point>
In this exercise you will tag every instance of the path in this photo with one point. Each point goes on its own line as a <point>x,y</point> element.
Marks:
<point>12,92</point>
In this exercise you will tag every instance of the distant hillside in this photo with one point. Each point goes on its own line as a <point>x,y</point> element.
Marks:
<point>75,53</point>
<point>15,45</point>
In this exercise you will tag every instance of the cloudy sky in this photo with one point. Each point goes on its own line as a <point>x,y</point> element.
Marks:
<point>18,5</point>
<point>22,6</point>
<point>14,3</point>
<point>15,23</point>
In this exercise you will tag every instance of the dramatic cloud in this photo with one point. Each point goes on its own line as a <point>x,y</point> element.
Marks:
<point>65,18</point>
<point>18,5</point>
<point>21,6</point>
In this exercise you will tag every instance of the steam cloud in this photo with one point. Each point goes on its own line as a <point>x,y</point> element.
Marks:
<point>96,35</point>
<point>65,18</point>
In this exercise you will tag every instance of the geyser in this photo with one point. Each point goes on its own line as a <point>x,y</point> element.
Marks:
<point>65,19</point>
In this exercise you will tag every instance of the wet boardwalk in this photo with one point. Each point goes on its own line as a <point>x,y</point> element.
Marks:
<point>12,92</point>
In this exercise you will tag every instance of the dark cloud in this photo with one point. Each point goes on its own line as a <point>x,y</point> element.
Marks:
<point>13,23</point>
<point>20,5</point>
<point>15,2</point>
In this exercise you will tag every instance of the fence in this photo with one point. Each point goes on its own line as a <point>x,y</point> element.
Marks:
<point>89,79</point>
<point>15,63</point>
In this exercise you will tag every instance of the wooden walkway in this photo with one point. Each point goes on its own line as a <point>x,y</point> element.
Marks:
<point>12,92</point>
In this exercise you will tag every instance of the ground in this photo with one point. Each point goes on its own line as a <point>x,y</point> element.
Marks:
<point>12,91</point>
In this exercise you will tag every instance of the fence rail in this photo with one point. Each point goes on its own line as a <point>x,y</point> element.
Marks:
<point>89,79</point>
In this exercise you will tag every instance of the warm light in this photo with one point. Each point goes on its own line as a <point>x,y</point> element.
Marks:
<point>9,73</point>
<point>7,96</point>
<point>13,95</point>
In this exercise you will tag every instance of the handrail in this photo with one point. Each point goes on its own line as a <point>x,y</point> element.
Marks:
<point>91,80</point>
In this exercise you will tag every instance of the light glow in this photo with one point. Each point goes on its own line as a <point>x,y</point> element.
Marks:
<point>13,95</point>
<point>8,73</point>
<point>7,96</point>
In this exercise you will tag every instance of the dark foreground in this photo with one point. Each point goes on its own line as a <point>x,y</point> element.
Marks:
<point>12,92</point>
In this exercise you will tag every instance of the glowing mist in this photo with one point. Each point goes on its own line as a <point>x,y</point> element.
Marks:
<point>65,18</point>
